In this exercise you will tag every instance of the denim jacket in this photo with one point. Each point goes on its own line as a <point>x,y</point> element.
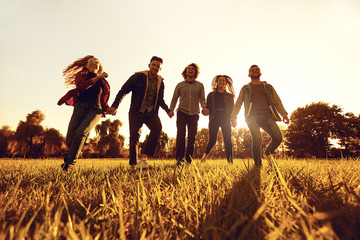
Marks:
<point>276,106</point>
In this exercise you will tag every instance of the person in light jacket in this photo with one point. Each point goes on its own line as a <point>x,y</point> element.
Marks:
<point>263,108</point>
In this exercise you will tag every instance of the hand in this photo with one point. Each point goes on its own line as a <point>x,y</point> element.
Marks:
<point>205,111</point>
<point>171,114</point>
<point>286,119</point>
<point>111,110</point>
<point>103,75</point>
<point>233,123</point>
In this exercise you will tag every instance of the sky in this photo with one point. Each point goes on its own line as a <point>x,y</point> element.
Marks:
<point>308,50</point>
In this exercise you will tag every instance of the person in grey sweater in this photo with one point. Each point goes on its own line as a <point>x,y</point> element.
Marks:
<point>192,94</point>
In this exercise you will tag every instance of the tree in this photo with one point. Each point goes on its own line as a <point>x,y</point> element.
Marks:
<point>6,135</point>
<point>29,135</point>
<point>110,143</point>
<point>201,141</point>
<point>310,129</point>
<point>54,143</point>
<point>163,146</point>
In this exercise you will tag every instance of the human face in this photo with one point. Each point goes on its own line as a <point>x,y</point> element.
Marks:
<point>221,83</point>
<point>154,67</point>
<point>190,71</point>
<point>254,72</point>
<point>93,65</point>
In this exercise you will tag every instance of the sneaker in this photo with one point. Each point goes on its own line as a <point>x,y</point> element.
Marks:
<point>204,157</point>
<point>143,163</point>
<point>67,166</point>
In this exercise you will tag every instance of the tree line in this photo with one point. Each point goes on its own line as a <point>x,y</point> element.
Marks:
<point>310,134</point>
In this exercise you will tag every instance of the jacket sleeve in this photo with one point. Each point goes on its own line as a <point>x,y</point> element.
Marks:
<point>237,105</point>
<point>125,89</point>
<point>278,104</point>
<point>104,98</point>
<point>162,103</point>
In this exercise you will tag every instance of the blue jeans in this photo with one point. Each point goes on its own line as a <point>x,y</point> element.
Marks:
<point>84,118</point>
<point>269,125</point>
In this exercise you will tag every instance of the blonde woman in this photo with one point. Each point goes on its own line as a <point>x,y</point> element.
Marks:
<point>90,100</point>
<point>220,103</point>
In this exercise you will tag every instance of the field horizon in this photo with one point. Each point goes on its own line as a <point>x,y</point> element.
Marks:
<point>105,199</point>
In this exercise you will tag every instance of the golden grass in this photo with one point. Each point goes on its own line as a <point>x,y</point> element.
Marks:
<point>104,199</point>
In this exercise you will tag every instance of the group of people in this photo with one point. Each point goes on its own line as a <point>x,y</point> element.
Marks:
<point>90,97</point>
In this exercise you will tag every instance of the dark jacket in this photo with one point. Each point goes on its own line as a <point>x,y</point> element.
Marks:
<point>137,84</point>
<point>229,104</point>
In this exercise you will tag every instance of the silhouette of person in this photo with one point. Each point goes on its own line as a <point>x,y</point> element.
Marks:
<point>191,93</point>
<point>262,108</point>
<point>90,101</point>
<point>147,89</point>
<point>220,103</point>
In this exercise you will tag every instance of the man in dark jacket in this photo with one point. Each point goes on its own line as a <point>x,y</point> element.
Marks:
<point>147,89</point>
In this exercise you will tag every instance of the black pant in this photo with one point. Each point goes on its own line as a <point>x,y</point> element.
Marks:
<point>223,121</point>
<point>136,120</point>
<point>191,121</point>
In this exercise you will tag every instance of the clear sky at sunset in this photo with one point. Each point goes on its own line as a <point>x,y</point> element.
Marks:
<point>308,50</point>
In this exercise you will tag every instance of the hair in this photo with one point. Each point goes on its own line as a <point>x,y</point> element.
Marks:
<point>76,67</point>
<point>197,70</point>
<point>229,84</point>
<point>155,58</point>
<point>253,66</point>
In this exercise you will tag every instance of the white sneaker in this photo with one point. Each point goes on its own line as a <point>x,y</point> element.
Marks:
<point>204,157</point>
<point>143,163</point>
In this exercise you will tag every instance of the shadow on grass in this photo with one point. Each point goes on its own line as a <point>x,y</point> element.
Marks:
<point>237,215</point>
<point>335,207</point>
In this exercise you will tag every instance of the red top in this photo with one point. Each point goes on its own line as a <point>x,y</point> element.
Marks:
<point>82,83</point>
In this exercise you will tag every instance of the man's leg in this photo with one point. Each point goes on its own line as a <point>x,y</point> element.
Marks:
<point>180,136</point>
<point>192,131</point>
<point>254,128</point>
<point>154,124</point>
<point>269,125</point>
<point>135,124</point>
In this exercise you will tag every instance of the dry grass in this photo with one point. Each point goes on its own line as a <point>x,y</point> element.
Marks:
<point>104,199</point>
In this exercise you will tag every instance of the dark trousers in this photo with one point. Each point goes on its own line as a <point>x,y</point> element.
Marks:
<point>191,121</point>
<point>269,125</point>
<point>223,121</point>
<point>136,121</point>
<point>84,118</point>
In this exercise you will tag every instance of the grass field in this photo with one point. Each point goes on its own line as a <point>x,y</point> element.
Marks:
<point>104,199</point>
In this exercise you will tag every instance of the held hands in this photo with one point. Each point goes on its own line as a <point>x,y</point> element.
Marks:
<point>205,111</point>
<point>233,123</point>
<point>286,119</point>
<point>171,114</point>
<point>111,110</point>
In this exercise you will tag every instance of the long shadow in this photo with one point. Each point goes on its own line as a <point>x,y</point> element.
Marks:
<point>236,216</point>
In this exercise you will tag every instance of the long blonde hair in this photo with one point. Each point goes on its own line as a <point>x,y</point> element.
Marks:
<point>229,84</point>
<point>78,66</point>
